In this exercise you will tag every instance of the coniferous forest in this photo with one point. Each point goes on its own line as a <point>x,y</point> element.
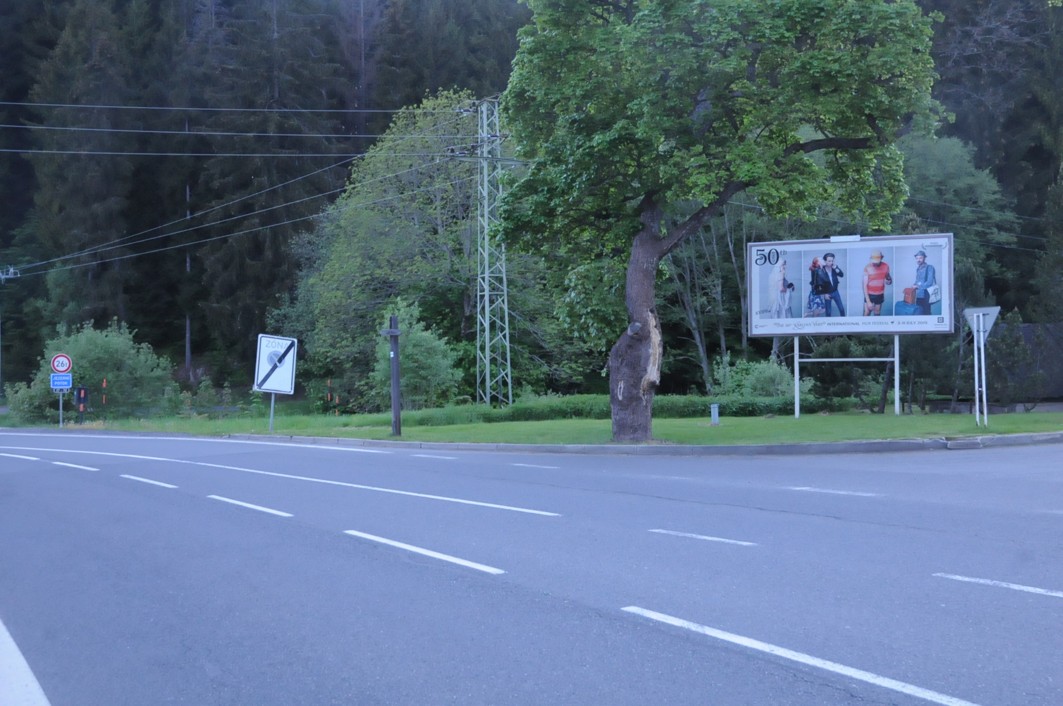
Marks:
<point>208,170</point>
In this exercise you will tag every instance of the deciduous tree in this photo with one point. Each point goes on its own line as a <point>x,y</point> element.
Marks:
<point>642,119</point>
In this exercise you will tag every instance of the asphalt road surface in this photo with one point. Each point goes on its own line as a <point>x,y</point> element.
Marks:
<point>150,570</point>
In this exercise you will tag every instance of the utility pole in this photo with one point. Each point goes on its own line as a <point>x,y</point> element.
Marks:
<point>5,274</point>
<point>494,382</point>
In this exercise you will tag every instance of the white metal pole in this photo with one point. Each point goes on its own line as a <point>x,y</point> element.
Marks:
<point>985,391</point>
<point>272,405</point>
<point>897,375</point>
<point>797,377</point>
<point>974,340</point>
<point>977,376</point>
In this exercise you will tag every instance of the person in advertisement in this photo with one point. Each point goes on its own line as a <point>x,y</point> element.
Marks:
<point>780,291</point>
<point>827,279</point>
<point>876,277</point>
<point>816,305</point>
<point>925,278</point>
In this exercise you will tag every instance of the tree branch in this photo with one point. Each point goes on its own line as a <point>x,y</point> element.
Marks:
<point>829,143</point>
<point>702,216</point>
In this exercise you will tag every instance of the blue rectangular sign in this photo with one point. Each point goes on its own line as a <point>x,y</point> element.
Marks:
<point>62,381</point>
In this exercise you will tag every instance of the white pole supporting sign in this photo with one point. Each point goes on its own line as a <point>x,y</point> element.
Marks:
<point>275,368</point>
<point>981,320</point>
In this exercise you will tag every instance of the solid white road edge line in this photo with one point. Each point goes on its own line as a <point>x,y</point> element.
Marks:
<point>828,491</point>
<point>441,458</point>
<point>707,538</point>
<point>1003,584</point>
<point>250,506</point>
<point>427,552</point>
<point>325,481</point>
<point>17,683</point>
<point>148,480</point>
<point>532,465</point>
<point>859,674</point>
<point>74,465</point>
<point>353,449</point>
<point>24,458</point>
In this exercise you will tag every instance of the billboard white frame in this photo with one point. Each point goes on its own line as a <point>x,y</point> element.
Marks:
<point>776,309</point>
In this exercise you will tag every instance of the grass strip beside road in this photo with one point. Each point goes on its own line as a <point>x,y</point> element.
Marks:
<point>731,430</point>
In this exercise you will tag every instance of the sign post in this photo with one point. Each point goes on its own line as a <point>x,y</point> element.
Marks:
<point>275,368</point>
<point>981,320</point>
<point>62,378</point>
<point>392,332</point>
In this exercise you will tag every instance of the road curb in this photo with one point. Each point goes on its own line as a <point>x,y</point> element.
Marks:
<point>651,449</point>
<point>874,446</point>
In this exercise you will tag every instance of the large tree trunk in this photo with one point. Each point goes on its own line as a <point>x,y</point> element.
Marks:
<point>635,360</point>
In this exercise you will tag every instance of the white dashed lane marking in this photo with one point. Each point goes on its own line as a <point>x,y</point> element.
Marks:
<point>830,491</point>
<point>74,465</point>
<point>148,480</point>
<point>249,506</point>
<point>1002,584</point>
<point>427,552</point>
<point>704,537</point>
<point>802,658</point>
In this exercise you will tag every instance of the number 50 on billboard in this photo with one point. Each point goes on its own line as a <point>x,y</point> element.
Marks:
<point>851,285</point>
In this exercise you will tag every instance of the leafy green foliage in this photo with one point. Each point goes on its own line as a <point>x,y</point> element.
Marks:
<point>554,407</point>
<point>404,227</point>
<point>680,101</point>
<point>428,377</point>
<point>138,382</point>
<point>1012,372</point>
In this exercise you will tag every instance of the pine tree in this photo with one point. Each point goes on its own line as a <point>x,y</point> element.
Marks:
<point>80,201</point>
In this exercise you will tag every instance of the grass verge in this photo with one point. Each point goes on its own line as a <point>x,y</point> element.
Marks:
<point>731,430</point>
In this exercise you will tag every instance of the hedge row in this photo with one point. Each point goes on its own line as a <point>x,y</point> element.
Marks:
<point>597,407</point>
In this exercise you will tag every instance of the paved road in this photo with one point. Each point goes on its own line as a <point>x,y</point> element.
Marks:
<point>146,570</point>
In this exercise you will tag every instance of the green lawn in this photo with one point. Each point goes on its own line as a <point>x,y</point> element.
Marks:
<point>739,430</point>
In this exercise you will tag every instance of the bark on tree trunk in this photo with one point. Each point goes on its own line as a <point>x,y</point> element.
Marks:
<point>635,359</point>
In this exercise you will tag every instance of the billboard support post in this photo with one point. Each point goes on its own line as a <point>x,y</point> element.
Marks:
<point>895,359</point>
<point>897,374</point>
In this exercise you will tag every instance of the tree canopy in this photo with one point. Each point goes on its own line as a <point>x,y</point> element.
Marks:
<point>643,119</point>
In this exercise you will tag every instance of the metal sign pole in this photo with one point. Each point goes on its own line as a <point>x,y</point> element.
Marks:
<point>985,392</point>
<point>60,409</point>
<point>897,375</point>
<point>977,375</point>
<point>272,406</point>
<point>797,377</point>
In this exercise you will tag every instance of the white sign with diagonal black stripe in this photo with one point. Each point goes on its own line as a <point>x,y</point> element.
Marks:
<point>275,364</point>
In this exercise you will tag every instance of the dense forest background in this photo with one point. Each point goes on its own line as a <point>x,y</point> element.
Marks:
<point>208,170</point>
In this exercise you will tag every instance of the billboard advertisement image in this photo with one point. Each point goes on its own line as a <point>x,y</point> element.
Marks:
<point>851,285</point>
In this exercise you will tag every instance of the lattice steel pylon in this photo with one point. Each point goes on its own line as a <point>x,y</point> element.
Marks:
<point>494,380</point>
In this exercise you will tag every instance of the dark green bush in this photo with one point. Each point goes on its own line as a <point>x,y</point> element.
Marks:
<point>551,407</point>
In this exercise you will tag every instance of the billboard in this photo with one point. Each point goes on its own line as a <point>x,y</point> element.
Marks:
<point>852,285</point>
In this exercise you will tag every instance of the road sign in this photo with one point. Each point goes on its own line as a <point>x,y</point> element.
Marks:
<point>275,364</point>
<point>61,363</point>
<point>989,314</point>
<point>62,381</point>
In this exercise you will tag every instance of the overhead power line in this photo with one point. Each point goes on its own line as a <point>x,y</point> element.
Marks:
<point>190,109</point>
<point>216,133</point>
<point>257,155</point>
<point>136,239</point>
<point>244,232</point>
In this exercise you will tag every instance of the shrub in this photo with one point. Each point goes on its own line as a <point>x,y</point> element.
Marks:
<point>138,382</point>
<point>428,375</point>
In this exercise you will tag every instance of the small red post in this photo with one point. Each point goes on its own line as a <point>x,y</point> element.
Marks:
<point>104,397</point>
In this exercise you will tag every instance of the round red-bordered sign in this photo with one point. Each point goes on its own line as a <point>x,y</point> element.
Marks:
<point>61,363</point>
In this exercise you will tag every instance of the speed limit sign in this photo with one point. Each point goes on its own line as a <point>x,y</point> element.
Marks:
<point>61,363</point>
